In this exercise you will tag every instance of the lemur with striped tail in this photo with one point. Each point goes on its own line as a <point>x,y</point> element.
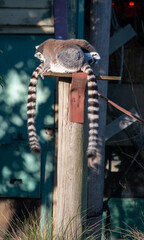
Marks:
<point>66,56</point>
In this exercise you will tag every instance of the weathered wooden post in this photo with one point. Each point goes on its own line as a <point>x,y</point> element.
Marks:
<point>71,194</point>
<point>100,15</point>
<point>70,163</point>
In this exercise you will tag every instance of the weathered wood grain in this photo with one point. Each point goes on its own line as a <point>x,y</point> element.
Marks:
<point>99,37</point>
<point>69,170</point>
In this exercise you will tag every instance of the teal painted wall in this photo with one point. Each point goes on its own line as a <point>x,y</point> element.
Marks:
<point>17,63</point>
<point>125,214</point>
<point>76,18</point>
<point>20,171</point>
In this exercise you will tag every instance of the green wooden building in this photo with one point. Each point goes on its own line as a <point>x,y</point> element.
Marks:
<point>26,180</point>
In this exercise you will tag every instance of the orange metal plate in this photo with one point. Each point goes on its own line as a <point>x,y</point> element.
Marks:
<point>76,97</point>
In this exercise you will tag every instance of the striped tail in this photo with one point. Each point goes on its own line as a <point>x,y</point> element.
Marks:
<point>93,110</point>
<point>31,105</point>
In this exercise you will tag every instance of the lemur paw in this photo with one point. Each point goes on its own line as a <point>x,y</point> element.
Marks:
<point>48,70</point>
<point>41,74</point>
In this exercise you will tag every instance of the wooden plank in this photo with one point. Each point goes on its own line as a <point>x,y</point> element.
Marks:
<point>109,78</point>
<point>69,75</point>
<point>24,17</point>
<point>63,75</point>
<point>26,30</point>
<point>26,4</point>
<point>121,37</point>
<point>119,124</point>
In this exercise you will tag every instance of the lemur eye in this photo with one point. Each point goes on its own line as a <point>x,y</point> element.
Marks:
<point>90,61</point>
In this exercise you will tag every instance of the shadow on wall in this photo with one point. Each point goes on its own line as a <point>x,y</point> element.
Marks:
<point>20,170</point>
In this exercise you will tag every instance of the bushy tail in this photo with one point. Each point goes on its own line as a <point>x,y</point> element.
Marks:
<point>93,110</point>
<point>31,104</point>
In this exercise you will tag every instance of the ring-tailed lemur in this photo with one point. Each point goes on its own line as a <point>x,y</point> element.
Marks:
<point>66,56</point>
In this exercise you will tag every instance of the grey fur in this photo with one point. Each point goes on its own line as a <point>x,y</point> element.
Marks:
<point>71,58</point>
<point>66,56</point>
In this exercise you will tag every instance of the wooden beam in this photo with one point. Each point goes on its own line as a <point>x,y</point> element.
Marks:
<point>69,75</point>
<point>109,78</point>
<point>119,124</point>
<point>121,37</point>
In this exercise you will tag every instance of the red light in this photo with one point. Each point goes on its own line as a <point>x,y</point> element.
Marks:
<point>131,4</point>
<point>113,4</point>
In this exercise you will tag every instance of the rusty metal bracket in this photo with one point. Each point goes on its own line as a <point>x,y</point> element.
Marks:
<point>76,97</point>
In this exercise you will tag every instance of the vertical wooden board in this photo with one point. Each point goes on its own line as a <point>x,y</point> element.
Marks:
<point>17,63</point>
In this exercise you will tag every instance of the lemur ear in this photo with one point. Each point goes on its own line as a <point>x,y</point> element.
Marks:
<point>36,46</point>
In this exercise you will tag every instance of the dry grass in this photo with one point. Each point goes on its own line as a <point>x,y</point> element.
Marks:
<point>28,230</point>
<point>132,234</point>
<point>31,230</point>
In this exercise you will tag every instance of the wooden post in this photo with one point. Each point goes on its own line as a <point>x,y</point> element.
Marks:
<point>100,14</point>
<point>70,198</point>
<point>69,170</point>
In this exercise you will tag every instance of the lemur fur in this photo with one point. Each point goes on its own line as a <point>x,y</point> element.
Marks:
<point>66,56</point>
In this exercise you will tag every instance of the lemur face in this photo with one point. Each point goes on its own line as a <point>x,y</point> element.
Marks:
<point>92,57</point>
<point>39,56</point>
